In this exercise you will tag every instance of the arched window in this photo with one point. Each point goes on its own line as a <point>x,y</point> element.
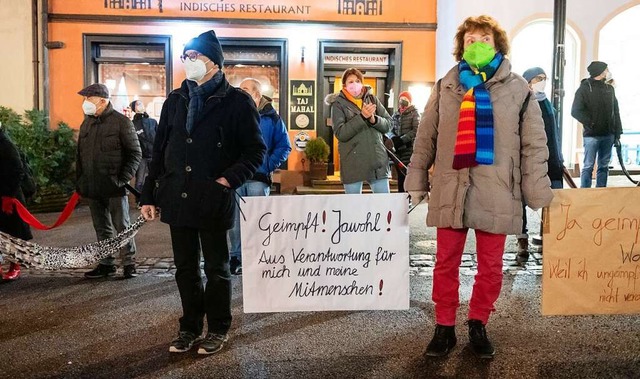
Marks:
<point>533,46</point>
<point>617,46</point>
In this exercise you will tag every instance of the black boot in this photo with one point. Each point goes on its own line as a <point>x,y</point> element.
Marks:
<point>523,251</point>
<point>102,271</point>
<point>480,344</point>
<point>444,339</point>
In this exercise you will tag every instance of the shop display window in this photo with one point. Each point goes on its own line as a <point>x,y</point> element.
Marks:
<point>268,76</point>
<point>135,81</point>
<point>247,59</point>
<point>132,67</point>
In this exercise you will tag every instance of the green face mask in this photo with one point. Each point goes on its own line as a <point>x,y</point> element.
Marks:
<point>479,54</point>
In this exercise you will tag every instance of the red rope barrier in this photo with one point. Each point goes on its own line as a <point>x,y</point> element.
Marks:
<point>30,219</point>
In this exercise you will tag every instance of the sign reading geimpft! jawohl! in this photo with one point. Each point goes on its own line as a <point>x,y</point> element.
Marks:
<point>302,104</point>
<point>322,253</point>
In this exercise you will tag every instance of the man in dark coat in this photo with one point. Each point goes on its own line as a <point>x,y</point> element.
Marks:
<point>108,156</point>
<point>208,144</point>
<point>146,131</point>
<point>11,173</point>
<point>596,107</point>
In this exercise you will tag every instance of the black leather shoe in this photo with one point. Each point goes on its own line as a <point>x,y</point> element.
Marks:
<point>102,271</point>
<point>235,266</point>
<point>129,271</point>
<point>443,341</point>
<point>480,344</point>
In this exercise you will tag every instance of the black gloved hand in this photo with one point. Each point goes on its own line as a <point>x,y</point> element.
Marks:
<point>397,142</point>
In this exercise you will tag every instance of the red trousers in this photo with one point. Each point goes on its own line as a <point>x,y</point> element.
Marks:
<point>446,275</point>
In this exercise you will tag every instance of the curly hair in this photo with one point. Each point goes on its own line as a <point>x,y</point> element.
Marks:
<point>483,23</point>
<point>352,71</point>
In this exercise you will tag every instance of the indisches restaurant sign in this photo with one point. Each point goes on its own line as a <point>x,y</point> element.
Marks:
<point>378,11</point>
<point>356,59</point>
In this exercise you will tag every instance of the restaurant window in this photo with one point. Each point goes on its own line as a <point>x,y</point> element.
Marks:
<point>259,59</point>
<point>132,67</point>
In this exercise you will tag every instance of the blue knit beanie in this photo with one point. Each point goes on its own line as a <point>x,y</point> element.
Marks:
<point>532,73</point>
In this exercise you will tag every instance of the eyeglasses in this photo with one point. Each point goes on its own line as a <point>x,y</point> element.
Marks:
<point>192,56</point>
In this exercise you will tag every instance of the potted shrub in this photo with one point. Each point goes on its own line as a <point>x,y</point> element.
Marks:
<point>317,152</point>
<point>51,154</point>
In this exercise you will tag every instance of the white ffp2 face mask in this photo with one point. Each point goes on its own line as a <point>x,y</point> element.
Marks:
<point>539,87</point>
<point>195,70</point>
<point>89,108</point>
<point>608,77</point>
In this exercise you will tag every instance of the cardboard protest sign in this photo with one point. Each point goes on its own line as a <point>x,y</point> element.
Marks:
<point>319,253</point>
<point>591,256</point>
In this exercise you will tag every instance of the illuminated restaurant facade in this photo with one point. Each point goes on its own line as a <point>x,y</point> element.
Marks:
<point>296,49</point>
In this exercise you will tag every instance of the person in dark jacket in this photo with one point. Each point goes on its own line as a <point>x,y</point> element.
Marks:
<point>275,136</point>
<point>146,130</point>
<point>359,123</point>
<point>208,144</point>
<point>537,79</point>
<point>405,125</point>
<point>595,106</point>
<point>11,173</point>
<point>108,157</point>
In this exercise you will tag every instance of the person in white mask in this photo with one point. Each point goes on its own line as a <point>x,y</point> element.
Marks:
<point>537,79</point>
<point>208,144</point>
<point>108,157</point>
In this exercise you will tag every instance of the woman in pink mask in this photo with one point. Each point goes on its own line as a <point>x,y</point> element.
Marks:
<point>359,123</point>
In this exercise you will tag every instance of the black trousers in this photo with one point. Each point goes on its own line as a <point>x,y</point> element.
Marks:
<point>214,301</point>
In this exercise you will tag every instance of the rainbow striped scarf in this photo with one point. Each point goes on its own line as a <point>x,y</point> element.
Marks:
<point>474,140</point>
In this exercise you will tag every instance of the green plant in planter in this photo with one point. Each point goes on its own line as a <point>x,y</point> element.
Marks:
<point>317,150</point>
<point>51,152</point>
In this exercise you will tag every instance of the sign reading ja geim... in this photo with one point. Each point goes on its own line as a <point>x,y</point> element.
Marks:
<point>591,260</point>
<point>321,253</point>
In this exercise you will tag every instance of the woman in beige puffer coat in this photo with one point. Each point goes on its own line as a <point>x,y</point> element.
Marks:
<point>484,197</point>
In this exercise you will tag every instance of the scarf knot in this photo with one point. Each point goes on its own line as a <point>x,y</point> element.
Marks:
<point>474,139</point>
<point>198,94</point>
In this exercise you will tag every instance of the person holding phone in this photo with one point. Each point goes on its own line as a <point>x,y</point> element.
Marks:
<point>359,123</point>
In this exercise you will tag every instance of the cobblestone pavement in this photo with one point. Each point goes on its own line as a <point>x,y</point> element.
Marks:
<point>422,264</point>
<point>421,252</point>
<point>155,248</point>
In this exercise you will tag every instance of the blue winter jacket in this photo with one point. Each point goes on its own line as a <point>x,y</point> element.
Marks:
<point>275,136</point>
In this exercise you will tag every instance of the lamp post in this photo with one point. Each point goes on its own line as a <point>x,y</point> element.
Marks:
<point>559,60</point>
<point>557,75</point>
